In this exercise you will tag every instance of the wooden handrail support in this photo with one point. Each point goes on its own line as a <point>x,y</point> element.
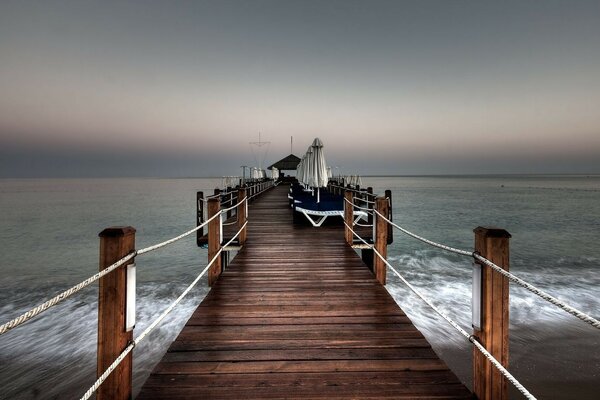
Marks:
<point>199,217</point>
<point>370,197</point>
<point>115,243</point>
<point>214,240</point>
<point>488,382</point>
<point>348,216</point>
<point>381,231</point>
<point>242,217</point>
<point>388,195</point>
<point>229,202</point>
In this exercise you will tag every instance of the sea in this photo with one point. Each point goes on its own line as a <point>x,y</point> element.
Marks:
<point>49,242</point>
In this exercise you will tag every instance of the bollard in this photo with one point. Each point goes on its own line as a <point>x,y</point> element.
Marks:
<point>348,216</point>
<point>369,197</point>
<point>199,218</point>
<point>214,240</point>
<point>115,243</point>
<point>242,215</point>
<point>491,330</point>
<point>388,195</point>
<point>379,267</point>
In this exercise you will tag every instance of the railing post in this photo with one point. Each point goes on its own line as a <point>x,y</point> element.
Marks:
<point>388,195</point>
<point>492,332</point>
<point>230,203</point>
<point>369,197</point>
<point>115,243</point>
<point>241,214</point>
<point>348,216</point>
<point>199,217</point>
<point>214,239</point>
<point>381,229</point>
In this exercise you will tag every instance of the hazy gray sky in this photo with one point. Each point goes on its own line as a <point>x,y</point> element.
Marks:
<point>179,88</point>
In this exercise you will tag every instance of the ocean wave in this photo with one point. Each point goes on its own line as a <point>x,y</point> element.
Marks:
<point>447,282</point>
<point>54,355</point>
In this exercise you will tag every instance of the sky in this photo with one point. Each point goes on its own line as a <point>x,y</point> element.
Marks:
<point>180,88</point>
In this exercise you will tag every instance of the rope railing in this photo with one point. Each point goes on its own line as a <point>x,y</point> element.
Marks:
<point>146,331</point>
<point>225,210</point>
<point>453,323</point>
<point>122,356</point>
<point>366,209</point>
<point>513,278</point>
<point>354,190</point>
<point>157,321</point>
<point>364,200</point>
<point>259,193</point>
<point>71,291</point>
<point>62,296</point>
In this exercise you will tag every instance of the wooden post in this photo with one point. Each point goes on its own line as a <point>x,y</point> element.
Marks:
<point>214,240</point>
<point>488,383</point>
<point>199,217</point>
<point>369,197</point>
<point>388,195</point>
<point>367,257</point>
<point>379,267</point>
<point>115,243</point>
<point>348,216</point>
<point>229,202</point>
<point>241,215</point>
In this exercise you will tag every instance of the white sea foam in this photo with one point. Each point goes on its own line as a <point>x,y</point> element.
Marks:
<point>55,354</point>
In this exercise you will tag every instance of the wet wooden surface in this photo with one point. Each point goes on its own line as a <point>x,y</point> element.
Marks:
<point>298,315</point>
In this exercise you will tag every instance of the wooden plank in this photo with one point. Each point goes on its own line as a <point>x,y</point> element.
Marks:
<point>297,314</point>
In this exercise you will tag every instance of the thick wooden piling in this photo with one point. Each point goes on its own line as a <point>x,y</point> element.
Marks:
<point>381,230</point>
<point>199,217</point>
<point>115,243</point>
<point>241,215</point>
<point>229,202</point>
<point>214,239</point>
<point>488,382</point>
<point>348,215</point>
<point>388,195</point>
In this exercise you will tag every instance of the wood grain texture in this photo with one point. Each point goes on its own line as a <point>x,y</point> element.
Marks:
<point>488,382</point>
<point>298,315</point>
<point>115,243</point>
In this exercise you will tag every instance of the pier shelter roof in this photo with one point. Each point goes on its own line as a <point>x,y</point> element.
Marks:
<point>286,164</point>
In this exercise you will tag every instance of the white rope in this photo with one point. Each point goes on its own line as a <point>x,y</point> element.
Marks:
<point>422,239</point>
<point>368,210</point>
<point>69,292</point>
<point>471,338</point>
<point>57,299</point>
<point>539,292</point>
<point>364,225</point>
<point>232,207</point>
<point>154,324</point>
<point>141,337</point>
<point>513,278</point>
<point>168,242</point>
<point>236,235</point>
<point>364,200</point>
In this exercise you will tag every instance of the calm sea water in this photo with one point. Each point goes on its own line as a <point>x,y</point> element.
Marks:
<point>48,237</point>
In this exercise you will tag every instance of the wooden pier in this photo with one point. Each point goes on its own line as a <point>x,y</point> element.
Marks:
<point>297,314</point>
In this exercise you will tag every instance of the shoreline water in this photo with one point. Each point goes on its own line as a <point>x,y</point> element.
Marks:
<point>48,216</point>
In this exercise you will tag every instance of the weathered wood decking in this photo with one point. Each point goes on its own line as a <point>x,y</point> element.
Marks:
<point>298,315</point>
